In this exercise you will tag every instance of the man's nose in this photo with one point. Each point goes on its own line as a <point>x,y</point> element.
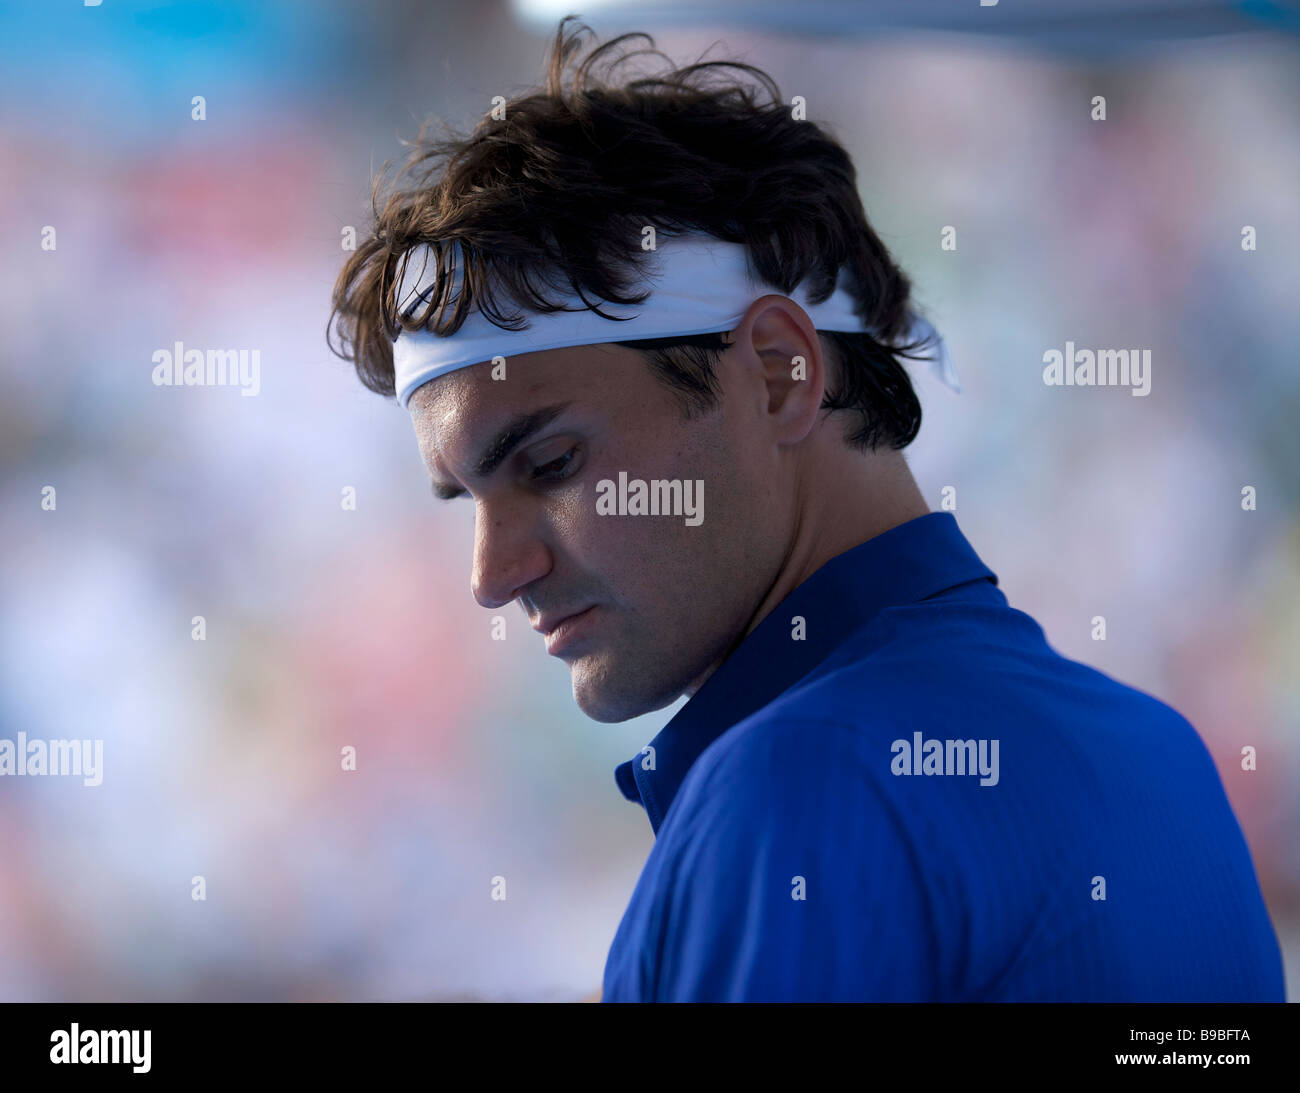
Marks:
<point>508,555</point>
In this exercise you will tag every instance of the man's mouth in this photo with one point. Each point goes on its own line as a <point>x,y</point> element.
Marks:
<point>565,632</point>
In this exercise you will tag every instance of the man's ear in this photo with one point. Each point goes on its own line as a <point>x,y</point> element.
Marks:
<point>778,334</point>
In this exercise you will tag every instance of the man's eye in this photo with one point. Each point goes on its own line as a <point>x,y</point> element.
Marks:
<point>556,469</point>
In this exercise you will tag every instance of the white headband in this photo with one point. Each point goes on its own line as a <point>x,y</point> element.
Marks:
<point>702,286</point>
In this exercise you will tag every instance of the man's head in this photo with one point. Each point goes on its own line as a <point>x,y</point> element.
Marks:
<point>552,199</point>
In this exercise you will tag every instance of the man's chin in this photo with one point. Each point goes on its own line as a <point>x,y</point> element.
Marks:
<point>595,697</point>
<point>606,708</point>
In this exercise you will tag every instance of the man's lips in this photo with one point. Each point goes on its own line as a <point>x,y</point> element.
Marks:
<point>560,630</point>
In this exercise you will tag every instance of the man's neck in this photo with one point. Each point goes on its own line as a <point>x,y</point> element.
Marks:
<point>850,503</point>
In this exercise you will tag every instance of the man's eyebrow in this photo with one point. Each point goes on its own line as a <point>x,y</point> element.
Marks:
<point>515,432</point>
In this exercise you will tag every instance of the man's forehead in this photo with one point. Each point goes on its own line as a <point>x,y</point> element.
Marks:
<point>441,402</point>
<point>463,405</point>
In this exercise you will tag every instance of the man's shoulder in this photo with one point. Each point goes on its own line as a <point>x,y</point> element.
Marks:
<point>837,739</point>
<point>957,665</point>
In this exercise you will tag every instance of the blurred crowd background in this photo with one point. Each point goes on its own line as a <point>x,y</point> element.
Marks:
<point>327,627</point>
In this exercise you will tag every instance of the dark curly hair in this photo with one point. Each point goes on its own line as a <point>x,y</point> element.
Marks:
<point>553,197</point>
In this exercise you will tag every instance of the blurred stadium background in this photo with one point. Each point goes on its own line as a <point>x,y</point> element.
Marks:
<point>328,627</point>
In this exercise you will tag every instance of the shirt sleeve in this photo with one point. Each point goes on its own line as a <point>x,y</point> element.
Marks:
<point>791,879</point>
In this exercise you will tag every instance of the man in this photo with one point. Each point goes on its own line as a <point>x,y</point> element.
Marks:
<point>885,784</point>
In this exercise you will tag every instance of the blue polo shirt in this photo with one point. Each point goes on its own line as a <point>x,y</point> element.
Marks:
<point>894,789</point>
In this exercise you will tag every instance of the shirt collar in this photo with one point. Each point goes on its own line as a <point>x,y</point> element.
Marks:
<point>919,558</point>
